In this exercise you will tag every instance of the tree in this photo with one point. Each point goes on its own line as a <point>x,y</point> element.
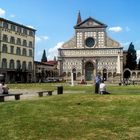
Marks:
<point>131,57</point>
<point>44,58</point>
<point>139,65</point>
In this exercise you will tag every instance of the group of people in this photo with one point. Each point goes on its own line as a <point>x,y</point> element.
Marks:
<point>100,86</point>
<point>3,88</point>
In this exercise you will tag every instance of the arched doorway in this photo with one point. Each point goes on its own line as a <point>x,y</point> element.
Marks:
<point>74,73</point>
<point>89,71</point>
<point>126,74</point>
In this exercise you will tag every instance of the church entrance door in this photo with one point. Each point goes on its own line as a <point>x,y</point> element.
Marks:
<point>89,71</point>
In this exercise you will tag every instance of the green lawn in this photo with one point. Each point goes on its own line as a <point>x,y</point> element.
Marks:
<point>80,116</point>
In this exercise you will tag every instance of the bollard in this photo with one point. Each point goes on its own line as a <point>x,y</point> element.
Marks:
<point>60,90</point>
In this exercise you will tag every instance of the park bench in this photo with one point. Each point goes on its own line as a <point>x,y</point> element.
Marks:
<point>40,93</point>
<point>17,96</point>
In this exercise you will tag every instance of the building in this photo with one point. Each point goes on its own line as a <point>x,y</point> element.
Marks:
<point>17,44</point>
<point>43,70</point>
<point>89,52</point>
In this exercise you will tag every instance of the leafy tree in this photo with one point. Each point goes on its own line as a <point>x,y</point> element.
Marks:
<point>131,57</point>
<point>44,58</point>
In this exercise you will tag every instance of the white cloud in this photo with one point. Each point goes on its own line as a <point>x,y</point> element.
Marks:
<point>37,39</point>
<point>45,37</point>
<point>2,12</point>
<point>41,38</point>
<point>54,51</point>
<point>12,15</point>
<point>30,26</point>
<point>115,29</point>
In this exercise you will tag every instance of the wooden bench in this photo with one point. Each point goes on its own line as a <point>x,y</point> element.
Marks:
<point>17,96</point>
<point>49,92</point>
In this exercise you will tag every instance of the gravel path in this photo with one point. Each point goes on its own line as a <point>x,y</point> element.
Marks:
<point>32,94</point>
<point>27,94</point>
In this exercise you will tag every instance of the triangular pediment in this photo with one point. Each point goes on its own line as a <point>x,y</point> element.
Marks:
<point>90,23</point>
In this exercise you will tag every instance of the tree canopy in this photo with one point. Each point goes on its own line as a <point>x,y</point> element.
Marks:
<point>131,57</point>
<point>44,58</point>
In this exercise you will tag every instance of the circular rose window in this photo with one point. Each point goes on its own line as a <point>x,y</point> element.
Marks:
<point>90,42</point>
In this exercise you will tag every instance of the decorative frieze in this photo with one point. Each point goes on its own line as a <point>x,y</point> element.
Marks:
<point>89,52</point>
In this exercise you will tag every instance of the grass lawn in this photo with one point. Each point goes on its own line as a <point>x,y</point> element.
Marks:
<point>80,116</point>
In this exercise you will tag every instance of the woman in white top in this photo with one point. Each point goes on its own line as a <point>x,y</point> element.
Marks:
<point>102,88</point>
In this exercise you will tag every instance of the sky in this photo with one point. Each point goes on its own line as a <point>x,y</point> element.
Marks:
<point>54,20</point>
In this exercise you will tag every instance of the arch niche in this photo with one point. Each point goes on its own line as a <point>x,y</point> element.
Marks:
<point>74,73</point>
<point>127,74</point>
<point>89,67</point>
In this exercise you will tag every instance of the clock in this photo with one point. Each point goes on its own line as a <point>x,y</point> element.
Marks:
<point>89,42</point>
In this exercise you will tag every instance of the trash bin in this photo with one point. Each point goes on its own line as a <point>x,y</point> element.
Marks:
<point>60,90</point>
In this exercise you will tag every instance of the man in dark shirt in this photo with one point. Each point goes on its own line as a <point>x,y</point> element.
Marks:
<point>97,83</point>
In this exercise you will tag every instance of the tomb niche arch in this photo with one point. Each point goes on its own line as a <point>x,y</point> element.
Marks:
<point>127,73</point>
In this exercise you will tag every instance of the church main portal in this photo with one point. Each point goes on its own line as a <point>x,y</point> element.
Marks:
<point>89,71</point>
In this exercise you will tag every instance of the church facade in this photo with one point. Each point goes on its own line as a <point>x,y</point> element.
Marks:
<point>89,52</point>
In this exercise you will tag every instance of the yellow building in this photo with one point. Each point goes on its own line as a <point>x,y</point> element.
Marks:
<point>17,44</point>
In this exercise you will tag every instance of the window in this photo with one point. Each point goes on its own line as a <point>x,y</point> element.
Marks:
<point>4,48</point>
<point>30,65</point>
<point>4,63</point>
<point>24,65</point>
<point>12,40</point>
<point>5,25</point>
<point>19,29</point>
<point>13,28</point>
<point>12,64</point>
<point>18,51</point>
<point>25,31</point>
<point>18,41</point>
<point>30,44</point>
<point>24,43</point>
<point>12,49</point>
<point>5,38</point>
<point>18,65</point>
<point>30,53</point>
<point>31,33</point>
<point>24,52</point>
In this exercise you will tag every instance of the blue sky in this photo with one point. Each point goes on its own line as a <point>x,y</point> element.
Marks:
<point>54,20</point>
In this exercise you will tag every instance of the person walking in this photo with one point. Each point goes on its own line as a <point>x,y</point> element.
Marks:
<point>97,83</point>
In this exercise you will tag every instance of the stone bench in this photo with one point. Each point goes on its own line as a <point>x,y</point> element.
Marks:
<point>49,92</point>
<point>17,96</point>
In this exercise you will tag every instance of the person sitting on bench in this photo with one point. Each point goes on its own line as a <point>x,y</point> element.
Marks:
<point>5,88</point>
<point>102,88</point>
<point>1,88</point>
